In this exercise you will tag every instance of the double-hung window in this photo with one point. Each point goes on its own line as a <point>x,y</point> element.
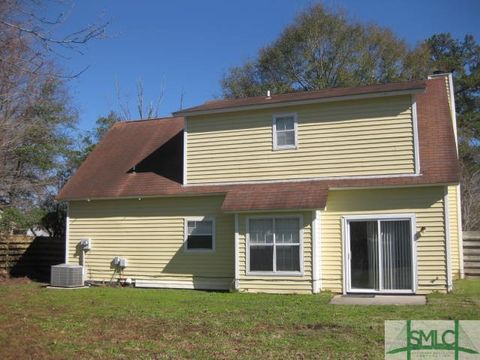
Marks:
<point>199,234</point>
<point>274,245</point>
<point>285,131</point>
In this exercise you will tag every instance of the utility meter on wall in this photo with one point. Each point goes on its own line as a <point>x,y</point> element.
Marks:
<point>86,244</point>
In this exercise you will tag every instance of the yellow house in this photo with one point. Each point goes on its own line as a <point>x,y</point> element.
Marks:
<point>350,190</point>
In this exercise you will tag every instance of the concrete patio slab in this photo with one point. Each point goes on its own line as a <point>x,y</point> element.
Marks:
<point>378,300</point>
<point>67,288</point>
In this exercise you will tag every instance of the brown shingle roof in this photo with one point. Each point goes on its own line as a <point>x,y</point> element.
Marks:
<point>106,171</point>
<point>323,94</point>
<point>155,148</point>
<point>294,195</point>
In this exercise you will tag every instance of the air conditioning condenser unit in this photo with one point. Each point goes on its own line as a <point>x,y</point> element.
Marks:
<point>66,275</point>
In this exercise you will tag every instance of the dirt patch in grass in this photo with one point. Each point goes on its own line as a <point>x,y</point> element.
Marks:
<point>116,323</point>
<point>328,327</point>
<point>5,278</point>
<point>4,275</point>
<point>22,339</point>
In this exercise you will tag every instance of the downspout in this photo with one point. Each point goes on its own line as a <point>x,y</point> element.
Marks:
<point>67,231</point>
<point>448,250</point>
<point>316,260</point>
<point>460,231</point>
<point>237,248</point>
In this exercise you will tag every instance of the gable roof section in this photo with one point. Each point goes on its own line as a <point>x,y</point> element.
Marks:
<point>153,146</point>
<point>332,94</point>
<point>107,170</point>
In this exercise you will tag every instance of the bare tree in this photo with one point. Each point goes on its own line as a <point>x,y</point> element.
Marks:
<point>34,106</point>
<point>471,199</point>
<point>144,109</point>
<point>38,34</point>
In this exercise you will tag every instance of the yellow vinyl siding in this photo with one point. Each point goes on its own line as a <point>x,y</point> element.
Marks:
<point>150,234</point>
<point>350,138</point>
<point>277,283</point>
<point>427,205</point>
<point>453,223</point>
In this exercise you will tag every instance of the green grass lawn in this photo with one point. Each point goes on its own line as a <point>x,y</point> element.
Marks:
<point>128,323</point>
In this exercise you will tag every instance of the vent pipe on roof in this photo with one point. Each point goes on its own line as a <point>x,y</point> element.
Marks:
<point>268,94</point>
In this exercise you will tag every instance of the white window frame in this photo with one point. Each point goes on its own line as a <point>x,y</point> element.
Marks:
<point>274,272</point>
<point>274,131</point>
<point>347,256</point>
<point>185,234</point>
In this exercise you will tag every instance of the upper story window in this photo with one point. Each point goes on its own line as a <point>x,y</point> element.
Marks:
<point>199,234</point>
<point>285,131</point>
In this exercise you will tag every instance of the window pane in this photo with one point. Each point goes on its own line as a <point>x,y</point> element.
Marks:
<point>281,138</point>
<point>200,234</point>
<point>287,231</point>
<point>261,231</point>
<point>285,123</point>
<point>286,138</point>
<point>199,242</point>
<point>288,258</point>
<point>203,227</point>
<point>261,258</point>
<point>290,138</point>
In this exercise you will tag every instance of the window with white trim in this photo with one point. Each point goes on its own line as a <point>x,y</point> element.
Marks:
<point>274,245</point>
<point>199,234</point>
<point>285,131</point>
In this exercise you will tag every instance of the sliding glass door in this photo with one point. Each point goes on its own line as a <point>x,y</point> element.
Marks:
<point>396,254</point>
<point>379,255</point>
<point>364,255</point>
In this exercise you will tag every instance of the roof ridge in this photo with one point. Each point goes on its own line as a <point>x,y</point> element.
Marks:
<point>330,92</point>
<point>165,118</point>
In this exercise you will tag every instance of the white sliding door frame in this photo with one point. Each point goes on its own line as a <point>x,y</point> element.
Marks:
<point>347,254</point>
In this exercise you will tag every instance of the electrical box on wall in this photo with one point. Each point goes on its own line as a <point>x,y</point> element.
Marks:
<point>86,244</point>
<point>123,262</point>
<point>120,262</point>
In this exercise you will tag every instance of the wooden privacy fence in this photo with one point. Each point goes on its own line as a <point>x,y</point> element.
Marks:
<point>471,253</point>
<point>31,256</point>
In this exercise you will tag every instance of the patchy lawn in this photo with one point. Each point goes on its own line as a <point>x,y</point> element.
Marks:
<point>128,323</point>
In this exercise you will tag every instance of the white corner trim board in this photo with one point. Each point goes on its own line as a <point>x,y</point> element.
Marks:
<point>453,109</point>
